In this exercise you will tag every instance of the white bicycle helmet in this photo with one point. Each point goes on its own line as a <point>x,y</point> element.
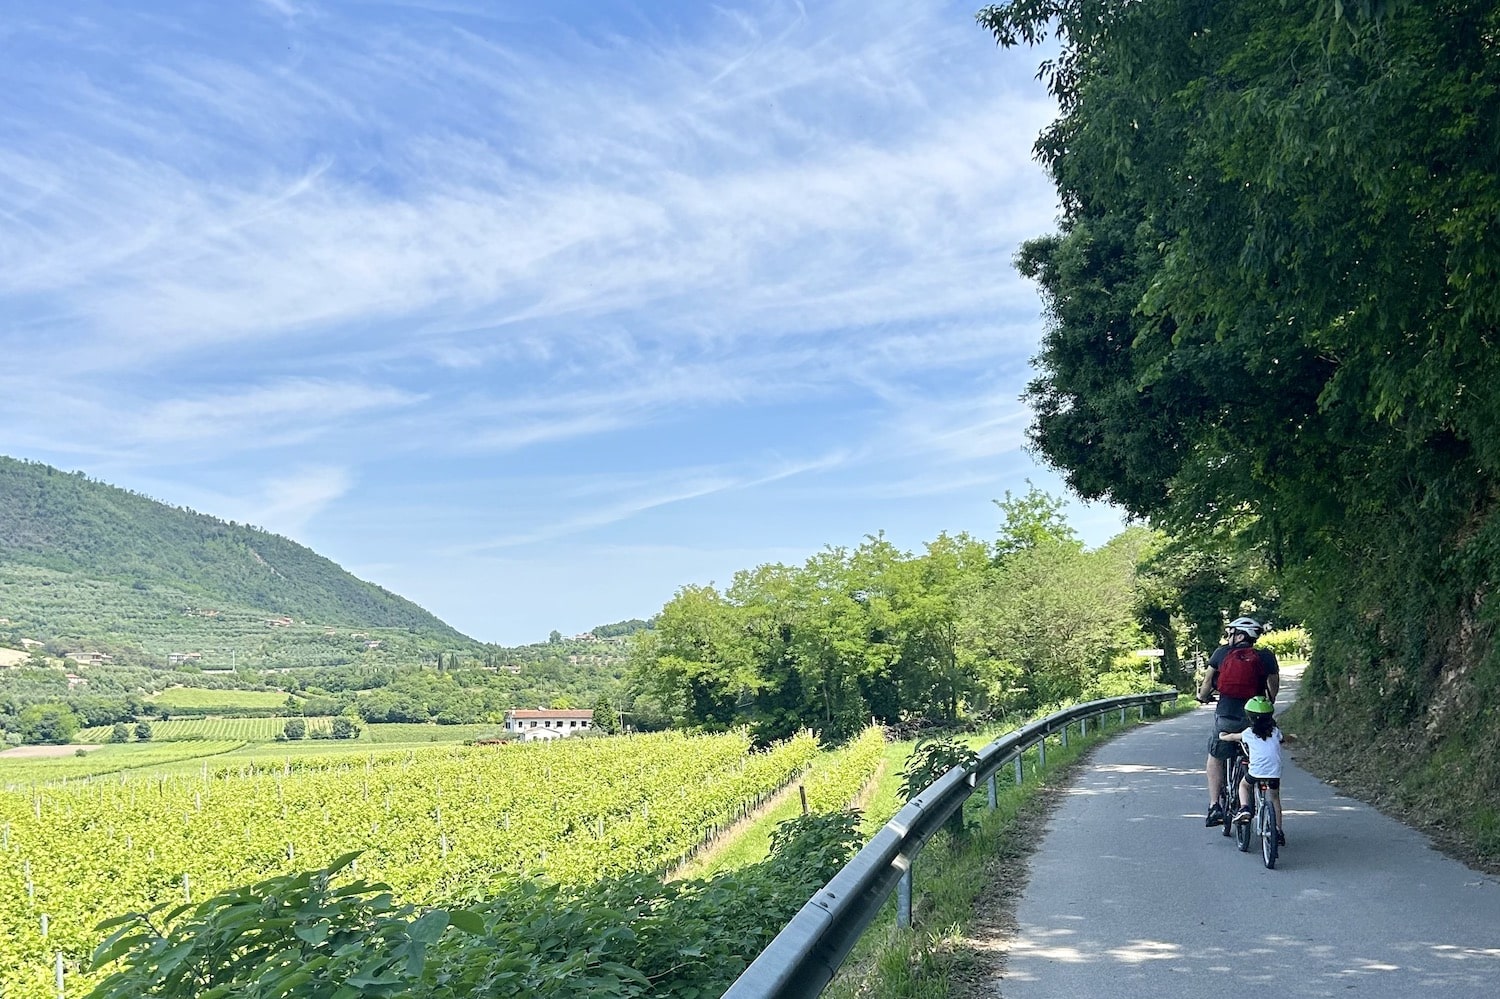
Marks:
<point>1248,625</point>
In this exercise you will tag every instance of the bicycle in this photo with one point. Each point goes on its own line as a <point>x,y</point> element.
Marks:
<point>1264,820</point>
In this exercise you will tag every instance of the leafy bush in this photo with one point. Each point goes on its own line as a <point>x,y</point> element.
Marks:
<point>931,760</point>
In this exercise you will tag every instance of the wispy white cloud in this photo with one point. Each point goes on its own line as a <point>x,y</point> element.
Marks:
<point>290,501</point>
<point>287,410</point>
<point>621,220</point>
<point>614,500</point>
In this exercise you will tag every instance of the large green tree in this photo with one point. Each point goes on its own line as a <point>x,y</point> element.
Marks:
<point>48,723</point>
<point>1274,305</point>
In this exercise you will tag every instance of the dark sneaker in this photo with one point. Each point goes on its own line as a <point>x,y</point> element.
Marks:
<point>1242,816</point>
<point>1280,838</point>
<point>1215,815</point>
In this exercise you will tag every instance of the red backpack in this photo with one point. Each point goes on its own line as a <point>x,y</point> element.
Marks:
<point>1241,673</point>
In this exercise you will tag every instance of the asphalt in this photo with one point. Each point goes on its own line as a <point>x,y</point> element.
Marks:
<point>1130,895</point>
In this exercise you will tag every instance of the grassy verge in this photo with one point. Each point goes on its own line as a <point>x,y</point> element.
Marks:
<point>965,890</point>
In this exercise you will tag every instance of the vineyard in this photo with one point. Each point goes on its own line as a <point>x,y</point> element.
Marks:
<point>432,823</point>
<point>20,772</point>
<point>212,729</point>
<point>267,729</point>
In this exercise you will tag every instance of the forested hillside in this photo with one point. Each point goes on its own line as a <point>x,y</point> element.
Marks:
<point>83,560</point>
<point>1274,311</point>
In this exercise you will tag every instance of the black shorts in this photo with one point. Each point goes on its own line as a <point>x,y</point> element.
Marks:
<point>1218,748</point>
<point>1274,783</point>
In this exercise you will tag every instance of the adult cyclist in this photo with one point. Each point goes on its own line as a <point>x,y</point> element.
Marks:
<point>1237,671</point>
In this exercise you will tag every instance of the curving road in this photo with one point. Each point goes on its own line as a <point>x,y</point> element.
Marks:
<point>1131,896</point>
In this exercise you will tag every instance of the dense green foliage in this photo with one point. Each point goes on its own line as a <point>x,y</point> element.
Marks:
<point>963,630</point>
<point>1274,305</point>
<point>306,935</point>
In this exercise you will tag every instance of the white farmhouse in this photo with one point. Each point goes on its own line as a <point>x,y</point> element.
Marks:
<point>546,723</point>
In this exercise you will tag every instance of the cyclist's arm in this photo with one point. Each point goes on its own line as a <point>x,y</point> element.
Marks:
<point>1273,684</point>
<point>1207,686</point>
<point>1231,737</point>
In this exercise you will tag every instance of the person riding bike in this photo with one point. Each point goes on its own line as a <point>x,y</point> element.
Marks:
<point>1237,671</point>
<point>1263,745</point>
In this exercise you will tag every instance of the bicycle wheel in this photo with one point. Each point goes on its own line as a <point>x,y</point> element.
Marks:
<point>1242,836</point>
<point>1267,820</point>
<point>1229,795</point>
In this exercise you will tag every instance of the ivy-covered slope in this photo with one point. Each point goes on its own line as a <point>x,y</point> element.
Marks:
<point>82,558</point>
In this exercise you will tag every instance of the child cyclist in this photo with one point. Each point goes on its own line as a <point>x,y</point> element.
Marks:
<point>1262,741</point>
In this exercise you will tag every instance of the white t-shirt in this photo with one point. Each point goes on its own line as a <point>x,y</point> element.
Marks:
<point>1265,754</point>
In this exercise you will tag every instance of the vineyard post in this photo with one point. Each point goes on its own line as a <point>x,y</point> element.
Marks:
<point>44,925</point>
<point>59,975</point>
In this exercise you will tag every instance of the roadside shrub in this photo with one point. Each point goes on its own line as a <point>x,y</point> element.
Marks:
<point>1287,643</point>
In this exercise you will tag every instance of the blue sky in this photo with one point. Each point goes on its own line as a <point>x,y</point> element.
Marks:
<point>529,312</point>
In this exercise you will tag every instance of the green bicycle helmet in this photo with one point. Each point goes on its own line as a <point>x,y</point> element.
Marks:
<point>1259,706</point>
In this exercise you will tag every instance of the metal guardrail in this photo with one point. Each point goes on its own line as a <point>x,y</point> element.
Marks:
<point>803,958</point>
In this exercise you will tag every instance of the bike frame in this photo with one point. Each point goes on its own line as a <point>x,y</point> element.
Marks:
<point>1265,821</point>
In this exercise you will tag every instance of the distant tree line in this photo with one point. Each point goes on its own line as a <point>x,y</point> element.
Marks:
<point>964,630</point>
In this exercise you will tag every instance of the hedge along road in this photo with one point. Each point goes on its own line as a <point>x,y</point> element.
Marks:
<point>1130,895</point>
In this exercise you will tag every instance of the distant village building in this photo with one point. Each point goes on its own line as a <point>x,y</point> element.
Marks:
<point>91,658</point>
<point>546,723</point>
<point>178,658</point>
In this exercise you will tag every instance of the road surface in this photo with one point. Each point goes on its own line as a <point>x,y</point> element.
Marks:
<point>1131,896</point>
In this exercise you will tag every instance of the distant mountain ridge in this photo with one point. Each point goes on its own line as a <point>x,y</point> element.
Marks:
<point>135,568</point>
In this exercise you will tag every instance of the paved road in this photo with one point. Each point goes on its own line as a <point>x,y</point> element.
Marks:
<point>1131,896</point>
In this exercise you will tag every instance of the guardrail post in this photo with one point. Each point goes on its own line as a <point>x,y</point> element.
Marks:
<point>1041,752</point>
<point>994,791</point>
<point>1020,771</point>
<point>1122,716</point>
<point>1083,727</point>
<point>903,900</point>
<point>1065,737</point>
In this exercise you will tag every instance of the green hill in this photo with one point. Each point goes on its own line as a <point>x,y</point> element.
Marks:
<point>87,566</point>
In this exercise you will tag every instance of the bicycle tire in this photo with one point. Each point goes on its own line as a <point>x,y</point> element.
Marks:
<point>1242,836</point>
<point>1268,846</point>
<point>1229,794</point>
